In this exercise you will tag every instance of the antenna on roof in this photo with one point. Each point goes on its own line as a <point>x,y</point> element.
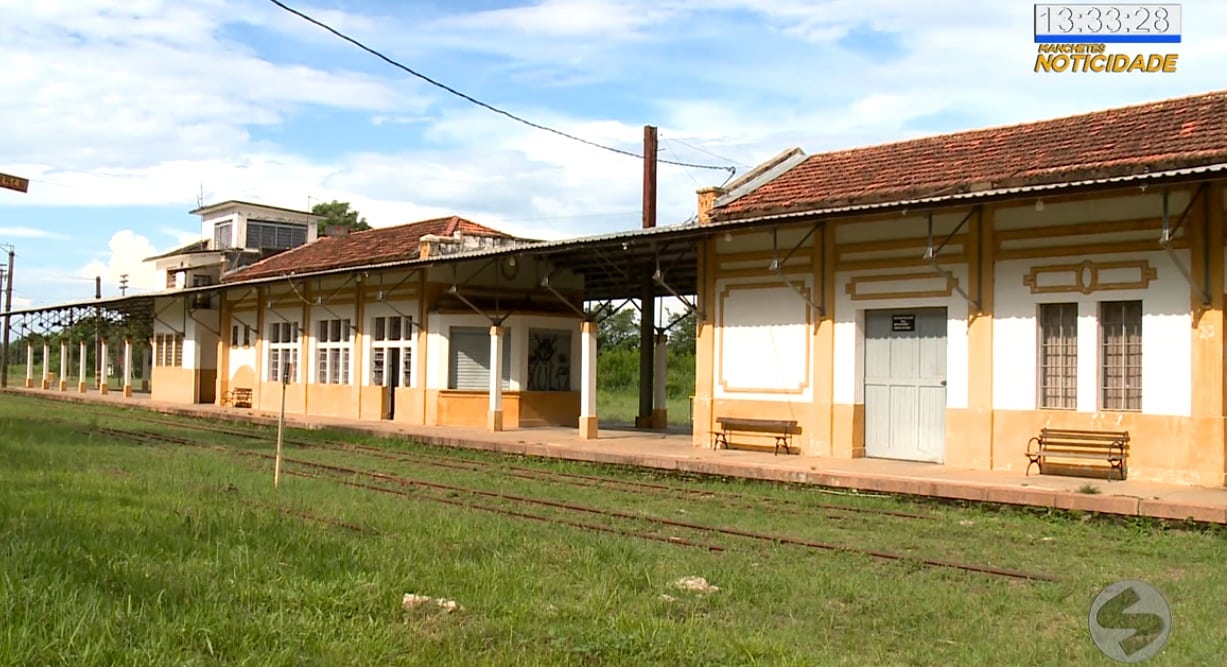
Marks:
<point>200,197</point>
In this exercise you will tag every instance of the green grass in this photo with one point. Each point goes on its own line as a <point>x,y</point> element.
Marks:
<point>621,407</point>
<point>113,553</point>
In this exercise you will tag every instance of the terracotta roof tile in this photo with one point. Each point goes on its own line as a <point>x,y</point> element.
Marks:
<point>386,244</point>
<point>1176,133</point>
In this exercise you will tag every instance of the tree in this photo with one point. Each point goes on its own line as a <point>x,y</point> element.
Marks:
<point>619,331</point>
<point>338,213</point>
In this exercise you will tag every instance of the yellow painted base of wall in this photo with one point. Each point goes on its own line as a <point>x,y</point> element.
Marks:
<point>173,384</point>
<point>104,389</point>
<point>82,387</point>
<point>969,439</point>
<point>848,431</point>
<point>29,383</point>
<point>63,385</point>
<point>494,420</point>
<point>520,408</point>
<point>127,391</point>
<point>587,428</point>
<point>46,384</point>
<point>1162,448</point>
<point>333,400</point>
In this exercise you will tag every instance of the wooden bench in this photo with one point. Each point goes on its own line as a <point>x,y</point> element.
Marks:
<point>239,397</point>
<point>781,429</point>
<point>1058,443</point>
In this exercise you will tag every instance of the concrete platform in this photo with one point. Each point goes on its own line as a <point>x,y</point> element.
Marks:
<point>673,451</point>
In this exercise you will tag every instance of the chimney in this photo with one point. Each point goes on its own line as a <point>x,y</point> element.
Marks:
<point>336,231</point>
<point>707,200</point>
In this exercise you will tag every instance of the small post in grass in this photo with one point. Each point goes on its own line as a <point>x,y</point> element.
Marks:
<point>285,378</point>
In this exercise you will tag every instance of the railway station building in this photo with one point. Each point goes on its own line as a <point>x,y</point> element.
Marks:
<point>939,300</point>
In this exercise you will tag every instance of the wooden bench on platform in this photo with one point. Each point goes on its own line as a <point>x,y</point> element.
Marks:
<point>1057,443</point>
<point>781,429</point>
<point>239,397</point>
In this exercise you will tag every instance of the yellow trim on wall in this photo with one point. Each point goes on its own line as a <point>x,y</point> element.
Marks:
<point>855,281</point>
<point>1084,277</point>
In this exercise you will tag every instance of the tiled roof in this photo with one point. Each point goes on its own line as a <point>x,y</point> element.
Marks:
<point>1170,134</point>
<point>386,244</point>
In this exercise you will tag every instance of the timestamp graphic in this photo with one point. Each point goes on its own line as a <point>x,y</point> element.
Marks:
<point>1107,23</point>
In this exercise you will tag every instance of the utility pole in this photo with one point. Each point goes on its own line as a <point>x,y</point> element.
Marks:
<point>8,309</point>
<point>647,294</point>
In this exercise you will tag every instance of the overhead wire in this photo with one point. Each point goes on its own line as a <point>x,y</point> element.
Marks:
<point>484,105</point>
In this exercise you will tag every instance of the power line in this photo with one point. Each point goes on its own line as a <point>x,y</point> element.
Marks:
<point>707,152</point>
<point>478,102</point>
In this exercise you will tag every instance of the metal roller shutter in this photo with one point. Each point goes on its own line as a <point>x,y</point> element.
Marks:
<point>469,359</point>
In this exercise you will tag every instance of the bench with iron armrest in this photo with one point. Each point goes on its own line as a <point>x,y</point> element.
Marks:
<point>781,429</point>
<point>1057,443</point>
<point>239,397</point>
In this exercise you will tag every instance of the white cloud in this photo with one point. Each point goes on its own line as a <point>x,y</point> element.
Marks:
<point>140,103</point>
<point>127,252</point>
<point>30,233</point>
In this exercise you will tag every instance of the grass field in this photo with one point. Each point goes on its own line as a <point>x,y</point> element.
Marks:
<point>114,552</point>
<point>620,407</point>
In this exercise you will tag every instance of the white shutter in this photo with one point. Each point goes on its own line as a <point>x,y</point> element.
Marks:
<point>469,359</point>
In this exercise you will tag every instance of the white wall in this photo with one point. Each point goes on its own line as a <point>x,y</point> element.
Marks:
<point>518,326</point>
<point>243,356</point>
<point>764,340</point>
<point>1166,336</point>
<point>850,339</point>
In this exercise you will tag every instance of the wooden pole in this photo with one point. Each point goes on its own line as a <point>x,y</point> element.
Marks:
<point>647,299</point>
<point>285,375</point>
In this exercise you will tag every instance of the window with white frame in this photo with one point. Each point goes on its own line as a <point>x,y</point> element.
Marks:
<point>332,350</point>
<point>222,236</point>
<point>392,341</point>
<point>549,360</point>
<point>469,358</point>
<point>282,350</point>
<point>168,349</point>
<point>1120,357</point>
<point>1058,356</point>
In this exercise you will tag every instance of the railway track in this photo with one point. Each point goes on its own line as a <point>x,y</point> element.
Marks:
<point>556,477</point>
<point>378,482</point>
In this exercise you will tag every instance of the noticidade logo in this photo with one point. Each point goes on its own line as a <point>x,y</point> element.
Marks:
<point>1091,58</point>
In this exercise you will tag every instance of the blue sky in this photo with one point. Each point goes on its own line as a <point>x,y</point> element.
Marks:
<point>121,113</point>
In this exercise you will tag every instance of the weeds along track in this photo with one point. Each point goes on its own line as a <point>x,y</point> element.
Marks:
<point>728,498</point>
<point>512,504</point>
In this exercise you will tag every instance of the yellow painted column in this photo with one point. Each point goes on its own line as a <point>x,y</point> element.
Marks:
<point>259,342</point>
<point>587,374</point>
<point>969,433</point>
<point>494,420</point>
<point>1204,450</point>
<point>29,365</point>
<point>358,357</point>
<point>222,383</point>
<point>705,347</point>
<point>821,440</point>
<point>305,363</point>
